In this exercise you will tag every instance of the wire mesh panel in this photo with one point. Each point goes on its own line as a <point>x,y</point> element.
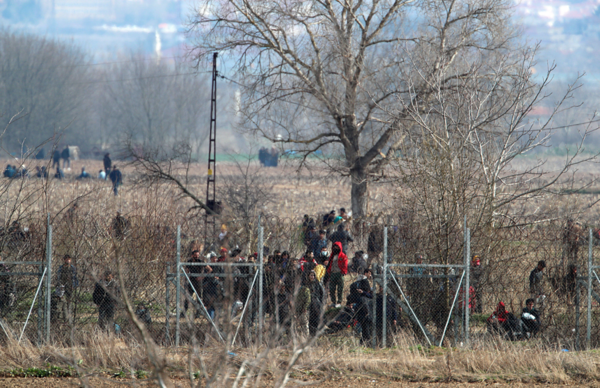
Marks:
<point>320,274</point>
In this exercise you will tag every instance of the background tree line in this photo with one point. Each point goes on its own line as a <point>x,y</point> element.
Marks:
<point>58,92</point>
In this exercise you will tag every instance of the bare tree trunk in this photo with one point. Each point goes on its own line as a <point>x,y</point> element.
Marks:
<point>360,191</point>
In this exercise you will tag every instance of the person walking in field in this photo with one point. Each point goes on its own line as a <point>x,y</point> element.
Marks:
<point>337,268</point>
<point>116,178</point>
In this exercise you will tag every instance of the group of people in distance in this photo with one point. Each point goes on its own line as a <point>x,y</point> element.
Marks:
<point>296,287</point>
<point>110,170</point>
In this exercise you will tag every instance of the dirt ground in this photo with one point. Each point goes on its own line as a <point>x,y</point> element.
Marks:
<point>100,382</point>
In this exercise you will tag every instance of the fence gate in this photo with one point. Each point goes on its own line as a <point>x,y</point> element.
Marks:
<point>431,295</point>
<point>204,286</point>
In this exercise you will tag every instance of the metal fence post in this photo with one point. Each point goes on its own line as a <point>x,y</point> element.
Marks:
<point>48,279</point>
<point>467,304</point>
<point>374,301</point>
<point>167,307</point>
<point>384,308</point>
<point>261,318</point>
<point>588,336</point>
<point>178,290</point>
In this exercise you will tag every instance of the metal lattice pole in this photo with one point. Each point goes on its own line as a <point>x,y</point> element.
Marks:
<point>178,290</point>
<point>374,319</point>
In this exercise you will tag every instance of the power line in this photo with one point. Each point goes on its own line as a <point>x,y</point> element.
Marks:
<point>138,78</point>
<point>289,102</point>
<point>130,61</point>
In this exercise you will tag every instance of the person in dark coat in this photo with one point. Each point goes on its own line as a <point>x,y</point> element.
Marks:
<point>361,287</point>
<point>375,243</point>
<point>59,173</point>
<point>107,163</point>
<point>360,298</point>
<point>318,242</point>
<point>358,263</point>
<point>193,272</point>
<point>106,294</point>
<point>531,319</point>
<point>66,156</point>
<point>315,310</point>
<point>343,236</point>
<point>56,159</point>
<point>116,178</point>
<point>536,278</point>
<point>84,174</point>
<point>9,171</point>
<point>7,289</point>
<point>41,154</point>
<point>391,313</point>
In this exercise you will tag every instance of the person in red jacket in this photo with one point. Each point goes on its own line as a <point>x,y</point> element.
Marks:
<point>502,321</point>
<point>337,267</point>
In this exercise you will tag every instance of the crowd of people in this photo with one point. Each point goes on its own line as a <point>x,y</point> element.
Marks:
<point>110,172</point>
<point>306,294</point>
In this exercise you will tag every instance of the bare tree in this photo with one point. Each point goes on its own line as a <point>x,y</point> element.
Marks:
<point>49,82</point>
<point>156,103</point>
<point>324,74</point>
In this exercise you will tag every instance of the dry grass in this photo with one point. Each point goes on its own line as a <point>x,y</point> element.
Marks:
<point>406,361</point>
<point>335,356</point>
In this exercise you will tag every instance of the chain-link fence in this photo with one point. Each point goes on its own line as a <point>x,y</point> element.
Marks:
<point>275,278</point>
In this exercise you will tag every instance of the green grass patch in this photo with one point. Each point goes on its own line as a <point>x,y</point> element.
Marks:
<point>48,371</point>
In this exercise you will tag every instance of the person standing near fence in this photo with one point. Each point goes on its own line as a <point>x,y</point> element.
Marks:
<point>342,236</point>
<point>536,278</point>
<point>318,243</point>
<point>337,268</point>
<point>572,236</point>
<point>315,308</point>
<point>194,289</point>
<point>476,278</point>
<point>531,318</point>
<point>7,289</point>
<point>66,283</point>
<point>106,294</point>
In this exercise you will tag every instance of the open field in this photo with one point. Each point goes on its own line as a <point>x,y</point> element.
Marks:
<point>339,360</point>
